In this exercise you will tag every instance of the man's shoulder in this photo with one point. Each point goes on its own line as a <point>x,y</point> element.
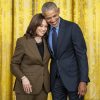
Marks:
<point>68,22</point>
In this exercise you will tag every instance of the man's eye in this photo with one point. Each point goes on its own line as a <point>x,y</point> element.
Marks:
<point>54,15</point>
<point>47,18</point>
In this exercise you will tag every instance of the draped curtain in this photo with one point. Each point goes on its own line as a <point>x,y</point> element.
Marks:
<point>15,16</point>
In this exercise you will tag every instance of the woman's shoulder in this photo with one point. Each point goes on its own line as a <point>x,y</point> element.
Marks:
<point>23,38</point>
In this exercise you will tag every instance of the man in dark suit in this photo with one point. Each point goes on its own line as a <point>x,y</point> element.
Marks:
<point>69,65</point>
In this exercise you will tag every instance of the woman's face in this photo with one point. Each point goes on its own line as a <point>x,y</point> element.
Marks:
<point>42,29</point>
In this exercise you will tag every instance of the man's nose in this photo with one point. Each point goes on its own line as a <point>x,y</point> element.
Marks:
<point>52,19</point>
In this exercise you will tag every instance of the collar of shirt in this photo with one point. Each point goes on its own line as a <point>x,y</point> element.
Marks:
<point>57,28</point>
<point>50,35</point>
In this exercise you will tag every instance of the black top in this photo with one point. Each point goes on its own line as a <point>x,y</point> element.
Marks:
<point>41,48</point>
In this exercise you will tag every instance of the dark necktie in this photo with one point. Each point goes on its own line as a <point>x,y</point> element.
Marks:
<point>54,41</point>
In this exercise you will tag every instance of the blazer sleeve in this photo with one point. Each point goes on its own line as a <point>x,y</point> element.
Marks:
<point>17,59</point>
<point>80,52</point>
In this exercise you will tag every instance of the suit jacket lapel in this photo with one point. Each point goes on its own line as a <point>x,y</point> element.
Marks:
<point>60,36</point>
<point>34,49</point>
<point>45,50</point>
<point>49,44</point>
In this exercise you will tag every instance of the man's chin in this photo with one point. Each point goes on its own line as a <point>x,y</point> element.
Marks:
<point>54,25</point>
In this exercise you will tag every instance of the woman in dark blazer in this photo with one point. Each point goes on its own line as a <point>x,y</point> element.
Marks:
<point>29,63</point>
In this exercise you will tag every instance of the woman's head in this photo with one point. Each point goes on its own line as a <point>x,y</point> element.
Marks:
<point>37,27</point>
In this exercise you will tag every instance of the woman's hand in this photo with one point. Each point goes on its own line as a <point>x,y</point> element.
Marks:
<point>26,85</point>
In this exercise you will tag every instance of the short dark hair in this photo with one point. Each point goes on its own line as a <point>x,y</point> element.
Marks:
<point>48,6</point>
<point>34,23</point>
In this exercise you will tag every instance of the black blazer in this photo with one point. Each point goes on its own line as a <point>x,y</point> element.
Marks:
<point>71,59</point>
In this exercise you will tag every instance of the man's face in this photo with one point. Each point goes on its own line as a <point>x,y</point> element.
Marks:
<point>52,17</point>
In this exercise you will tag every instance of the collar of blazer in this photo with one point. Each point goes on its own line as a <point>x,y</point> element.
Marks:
<point>61,36</point>
<point>31,45</point>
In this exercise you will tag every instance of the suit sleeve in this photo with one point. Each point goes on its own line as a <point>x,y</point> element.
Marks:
<point>80,52</point>
<point>17,59</point>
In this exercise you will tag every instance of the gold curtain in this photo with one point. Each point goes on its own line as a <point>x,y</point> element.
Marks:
<point>15,16</point>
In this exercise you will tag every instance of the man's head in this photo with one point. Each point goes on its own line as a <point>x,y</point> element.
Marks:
<point>51,13</point>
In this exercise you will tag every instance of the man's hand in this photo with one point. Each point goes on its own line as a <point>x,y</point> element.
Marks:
<point>26,85</point>
<point>82,88</point>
